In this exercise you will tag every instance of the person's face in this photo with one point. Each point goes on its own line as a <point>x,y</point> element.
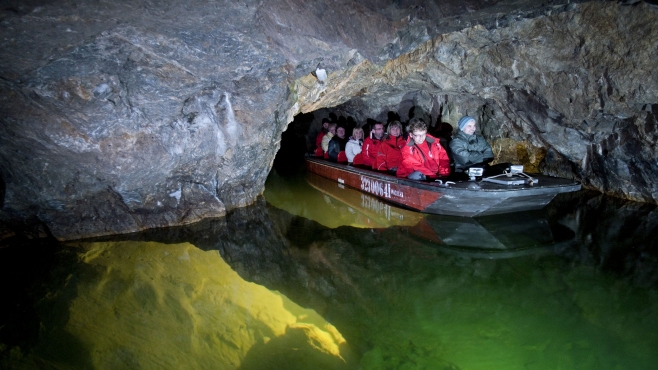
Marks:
<point>378,131</point>
<point>333,130</point>
<point>358,135</point>
<point>340,132</point>
<point>325,125</point>
<point>418,136</point>
<point>469,128</point>
<point>395,131</point>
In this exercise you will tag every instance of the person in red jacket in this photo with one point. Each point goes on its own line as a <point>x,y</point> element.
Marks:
<point>390,154</point>
<point>318,139</point>
<point>323,131</point>
<point>371,144</point>
<point>423,157</point>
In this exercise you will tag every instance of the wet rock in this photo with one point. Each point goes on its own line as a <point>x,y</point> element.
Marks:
<point>128,116</point>
<point>562,82</point>
<point>511,151</point>
<point>153,117</point>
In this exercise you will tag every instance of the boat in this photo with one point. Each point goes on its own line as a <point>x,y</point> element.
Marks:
<point>492,237</point>
<point>514,193</point>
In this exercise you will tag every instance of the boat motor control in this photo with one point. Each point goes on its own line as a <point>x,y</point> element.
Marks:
<point>514,169</point>
<point>514,175</point>
<point>474,172</point>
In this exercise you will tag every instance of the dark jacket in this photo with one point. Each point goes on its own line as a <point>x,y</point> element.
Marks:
<point>468,150</point>
<point>336,145</point>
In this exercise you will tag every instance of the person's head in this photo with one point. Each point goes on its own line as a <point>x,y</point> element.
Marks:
<point>378,130</point>
<point>357,133</point>
<point>394,128</point>
<point>467,125</point>
<point>325,123</point>
<point>332,128</point>
<point>340,132</point>
<point>417,130</point>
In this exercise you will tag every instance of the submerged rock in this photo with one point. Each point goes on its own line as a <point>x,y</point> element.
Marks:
<point>123,116</point>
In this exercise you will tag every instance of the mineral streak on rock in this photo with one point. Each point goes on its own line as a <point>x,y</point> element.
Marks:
<point>122,116</point>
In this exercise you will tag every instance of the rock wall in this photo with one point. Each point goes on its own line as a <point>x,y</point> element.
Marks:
<point>160,115</point>
<point>572,94</point>
<point>117,117</point>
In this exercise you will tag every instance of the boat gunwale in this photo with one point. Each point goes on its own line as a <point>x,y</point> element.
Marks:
<point>500,189</point>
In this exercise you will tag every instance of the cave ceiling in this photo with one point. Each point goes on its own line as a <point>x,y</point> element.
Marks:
<point>117,116</point>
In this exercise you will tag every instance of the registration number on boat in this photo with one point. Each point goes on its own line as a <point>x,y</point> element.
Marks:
<point>379,188</point>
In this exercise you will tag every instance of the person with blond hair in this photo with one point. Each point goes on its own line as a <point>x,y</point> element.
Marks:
<point>354,145</point>
<point>331,131</point>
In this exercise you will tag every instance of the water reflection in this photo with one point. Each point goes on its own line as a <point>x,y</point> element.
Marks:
<point>500,236</point>
<point>135,304</point>
<point>336,206</point>
<point>270,287</point>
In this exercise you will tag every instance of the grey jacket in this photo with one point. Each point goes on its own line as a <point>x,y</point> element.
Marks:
<point>468,150</point>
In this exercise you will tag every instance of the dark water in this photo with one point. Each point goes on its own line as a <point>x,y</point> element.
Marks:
<point>322,277</point>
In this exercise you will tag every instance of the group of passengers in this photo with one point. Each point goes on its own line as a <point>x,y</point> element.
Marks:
<point>415,155</point>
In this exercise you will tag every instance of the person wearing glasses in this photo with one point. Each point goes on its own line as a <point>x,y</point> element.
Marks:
<point>423,157</point>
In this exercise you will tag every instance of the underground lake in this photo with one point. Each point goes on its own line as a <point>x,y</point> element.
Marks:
<point>319,276</point>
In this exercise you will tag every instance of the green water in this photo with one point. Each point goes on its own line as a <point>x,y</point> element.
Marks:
<point>322,277</point>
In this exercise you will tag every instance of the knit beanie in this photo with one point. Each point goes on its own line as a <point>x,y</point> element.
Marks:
<point>464,120</point>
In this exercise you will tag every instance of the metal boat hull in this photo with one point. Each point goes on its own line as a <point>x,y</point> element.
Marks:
<point>465,198</point>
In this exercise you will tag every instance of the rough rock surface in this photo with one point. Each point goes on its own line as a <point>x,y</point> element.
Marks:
<point>120,116</point>
<point>573,93</point>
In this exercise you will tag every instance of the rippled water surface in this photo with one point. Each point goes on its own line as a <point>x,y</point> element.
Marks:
<point>325,277</point>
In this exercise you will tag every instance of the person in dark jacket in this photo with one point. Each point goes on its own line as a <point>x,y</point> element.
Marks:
<point>472,150</point>
<point>337,144</point>
<point>468,148</point>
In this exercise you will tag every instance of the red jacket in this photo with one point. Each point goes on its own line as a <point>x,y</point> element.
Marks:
<point>318,139</point>
<point>429,158</point>
<point>369,151</point>
<point>390,154</point>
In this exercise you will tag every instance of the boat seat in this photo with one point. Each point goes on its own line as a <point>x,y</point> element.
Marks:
<point>358,160</point>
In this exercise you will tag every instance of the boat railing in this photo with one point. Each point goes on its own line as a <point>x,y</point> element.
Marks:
<point>512,176</point>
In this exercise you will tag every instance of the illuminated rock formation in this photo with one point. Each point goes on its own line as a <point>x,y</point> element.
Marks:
<point>152,305</point>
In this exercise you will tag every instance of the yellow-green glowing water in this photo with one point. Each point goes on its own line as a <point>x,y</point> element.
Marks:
<point>323,279</point>
<point>334,205</point>
<point>172,306</point>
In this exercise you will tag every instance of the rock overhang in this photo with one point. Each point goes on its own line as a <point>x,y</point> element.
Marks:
<point>111,111</point>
